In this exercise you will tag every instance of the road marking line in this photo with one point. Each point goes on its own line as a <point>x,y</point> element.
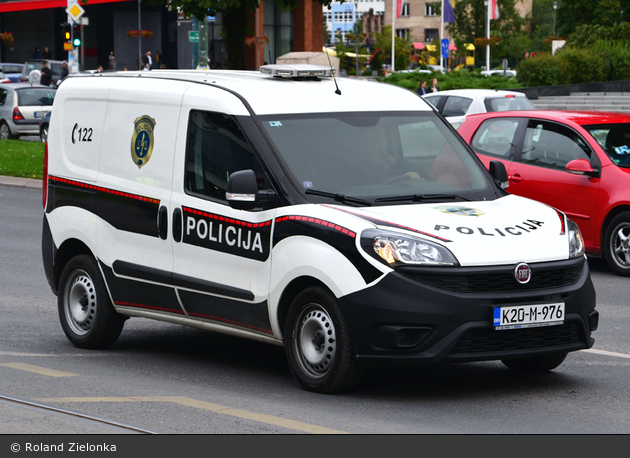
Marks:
<point>38,370</point>
<point>607,353</point>
<point>13,353</point>
<point>207,406</point>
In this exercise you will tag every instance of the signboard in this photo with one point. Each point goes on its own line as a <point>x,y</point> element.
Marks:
<point>193,36</point>
<point>445,48</point>
<point>75,11</point>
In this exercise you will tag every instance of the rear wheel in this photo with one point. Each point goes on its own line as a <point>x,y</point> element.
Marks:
<point>536,363</point>
<point>86,313</point>
<point>617,244</point>
<point>5,132</point>
<point>318,343</point>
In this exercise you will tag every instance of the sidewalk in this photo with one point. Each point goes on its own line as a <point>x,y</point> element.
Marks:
<point>20,182</point>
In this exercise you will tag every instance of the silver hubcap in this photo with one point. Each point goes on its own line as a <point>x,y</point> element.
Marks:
<point>80,302</point>
<point>4,131</point>
<point>314,341</point>
<point>44,134</point>
<point>620,245</point>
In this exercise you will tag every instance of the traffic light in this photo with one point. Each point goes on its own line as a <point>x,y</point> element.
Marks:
<point>77,35</point>
<point>66,33</point>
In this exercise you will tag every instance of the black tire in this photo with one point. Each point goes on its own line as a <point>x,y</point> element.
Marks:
<point>43,133</point>
<point>86,313</point>
<point>318,343</point>
<point>536,363</point>
<point>5,131</point>
<point>617,244</point>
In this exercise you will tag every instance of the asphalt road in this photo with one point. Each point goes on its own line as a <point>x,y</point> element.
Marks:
<point>165,378</point>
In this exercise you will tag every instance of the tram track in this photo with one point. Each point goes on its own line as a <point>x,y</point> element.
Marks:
<point>112,426</point>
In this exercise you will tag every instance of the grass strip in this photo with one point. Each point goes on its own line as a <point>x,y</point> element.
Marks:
<point>21,158</point>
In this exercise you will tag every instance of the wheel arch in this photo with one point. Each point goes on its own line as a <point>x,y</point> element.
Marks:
<point>289,293</point>
<point>68,250</point>
<point>609,217</point>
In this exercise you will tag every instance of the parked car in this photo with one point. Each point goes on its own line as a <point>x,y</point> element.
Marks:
<point>43,127</point>
<point>576,161</point>
<point>4,78</point>
<point>22,106</point>
<point>508,73</point>
<point>36,64</point>
<point>456,104</point>
<point>12,71</point>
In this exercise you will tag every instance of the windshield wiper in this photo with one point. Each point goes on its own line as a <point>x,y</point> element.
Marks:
<point>420,198</point>
<point>338,197</point>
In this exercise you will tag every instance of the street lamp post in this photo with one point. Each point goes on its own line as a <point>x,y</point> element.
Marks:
<point>356,37</point>
<point>555,7</point>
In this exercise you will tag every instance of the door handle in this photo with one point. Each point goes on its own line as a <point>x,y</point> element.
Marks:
<point>177,225</point>
<point>515,178</point>
<point>163,222</point>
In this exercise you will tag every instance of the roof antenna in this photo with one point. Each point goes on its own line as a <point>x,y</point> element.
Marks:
<point>333,74</point>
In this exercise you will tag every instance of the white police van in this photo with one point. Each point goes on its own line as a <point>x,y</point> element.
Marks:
<point>342,219</point>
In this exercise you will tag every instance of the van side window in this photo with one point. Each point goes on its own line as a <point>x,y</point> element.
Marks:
<point>216,147</point>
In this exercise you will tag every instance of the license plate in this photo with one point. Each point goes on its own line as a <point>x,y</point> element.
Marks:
<point>528,316</point>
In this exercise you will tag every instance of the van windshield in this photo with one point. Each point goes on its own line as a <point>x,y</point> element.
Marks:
<point>377,155</point>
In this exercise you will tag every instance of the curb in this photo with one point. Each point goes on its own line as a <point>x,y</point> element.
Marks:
<point>21,182</point>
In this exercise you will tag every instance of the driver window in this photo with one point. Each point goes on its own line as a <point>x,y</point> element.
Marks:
<point>215,148</point>
<point>551,146</point>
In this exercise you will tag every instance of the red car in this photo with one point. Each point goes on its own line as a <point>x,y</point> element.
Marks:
<point>575,161</point>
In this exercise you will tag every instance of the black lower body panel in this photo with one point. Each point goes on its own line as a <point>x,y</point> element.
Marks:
<point>402,320</point>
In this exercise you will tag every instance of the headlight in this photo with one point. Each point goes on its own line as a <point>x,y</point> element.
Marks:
<point>576,242</point>
<point>399,249</point>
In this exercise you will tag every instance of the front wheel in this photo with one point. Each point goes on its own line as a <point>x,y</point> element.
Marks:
<point>617,244</point>
<point>86,313</point>
<point>536,363</point>
<point>318,343</point>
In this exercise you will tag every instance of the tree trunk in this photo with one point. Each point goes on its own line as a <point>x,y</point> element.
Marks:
<point>236,23</point>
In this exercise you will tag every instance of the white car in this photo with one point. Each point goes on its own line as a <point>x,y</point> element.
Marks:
<point>456,104</point>
<point>508,73</point>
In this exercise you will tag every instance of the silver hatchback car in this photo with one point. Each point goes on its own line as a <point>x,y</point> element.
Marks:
<point>22,107</point>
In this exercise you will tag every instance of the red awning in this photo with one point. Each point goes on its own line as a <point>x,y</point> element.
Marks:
<point>418,45</point>
<point>25,5</point>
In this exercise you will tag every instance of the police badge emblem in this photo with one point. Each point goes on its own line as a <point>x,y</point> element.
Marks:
<point>460,210</point>
<point>142,140</point>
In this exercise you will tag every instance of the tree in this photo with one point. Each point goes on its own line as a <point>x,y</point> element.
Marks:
<point>238,22</point>
<point>402,52</point>
<point>470,23</point>
<point>574,13</point>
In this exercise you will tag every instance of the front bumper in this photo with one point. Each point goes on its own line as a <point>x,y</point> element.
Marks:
<point>429,315</point>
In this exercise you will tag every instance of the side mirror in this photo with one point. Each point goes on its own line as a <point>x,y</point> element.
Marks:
<point>582,167</point>
<point>242,191</point>
<point>499,174</point>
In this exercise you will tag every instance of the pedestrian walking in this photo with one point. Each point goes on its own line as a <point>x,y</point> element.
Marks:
<point>112,60</point>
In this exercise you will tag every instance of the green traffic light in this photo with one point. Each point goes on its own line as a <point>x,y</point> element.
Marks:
<point>77,42</point>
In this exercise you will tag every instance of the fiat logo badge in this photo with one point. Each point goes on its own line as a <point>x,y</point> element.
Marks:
<point>522,273</point>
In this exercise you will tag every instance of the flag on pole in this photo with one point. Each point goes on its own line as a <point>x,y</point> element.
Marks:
<point>399,7</point>
<point>449,14</point>
<point>494,9</point>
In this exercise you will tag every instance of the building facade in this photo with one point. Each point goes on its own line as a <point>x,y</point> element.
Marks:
<point>111,25</point>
